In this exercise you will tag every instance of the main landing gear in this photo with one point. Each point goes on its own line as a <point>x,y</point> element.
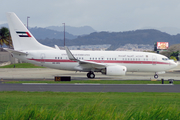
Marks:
<point>91,75</point>
<point>156,76</point>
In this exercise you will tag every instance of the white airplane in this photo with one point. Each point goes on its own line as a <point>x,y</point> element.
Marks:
<point>116,63</point>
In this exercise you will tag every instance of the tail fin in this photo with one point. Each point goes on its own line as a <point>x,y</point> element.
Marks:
<point>21,37</point>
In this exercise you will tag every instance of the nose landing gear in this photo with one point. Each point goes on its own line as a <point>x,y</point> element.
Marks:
<point>90,74</point>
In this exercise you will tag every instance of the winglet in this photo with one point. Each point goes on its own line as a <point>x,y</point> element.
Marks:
<point>69,54</point>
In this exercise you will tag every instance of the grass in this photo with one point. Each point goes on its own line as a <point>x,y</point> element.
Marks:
<point>22,65</point>
<point>90,106</point>
<point>94,82</point>
<point>95,112</point>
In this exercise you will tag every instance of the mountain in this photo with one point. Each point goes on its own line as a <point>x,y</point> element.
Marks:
<point>117,39</point>
<point>73,30</point>
<point>55,32</point>
<point>43,33</point>
<point>169,30</point>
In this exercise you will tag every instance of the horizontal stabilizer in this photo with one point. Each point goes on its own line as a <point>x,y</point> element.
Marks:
<point>15,52</point>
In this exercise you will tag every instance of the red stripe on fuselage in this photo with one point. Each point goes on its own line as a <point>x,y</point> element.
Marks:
<point>101,61</point>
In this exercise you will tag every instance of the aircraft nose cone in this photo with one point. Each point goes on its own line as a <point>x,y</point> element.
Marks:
<point>175,63</point>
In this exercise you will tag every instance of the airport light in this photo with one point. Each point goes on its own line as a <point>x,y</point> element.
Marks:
<point>64,33</point>
<point>27,21</point>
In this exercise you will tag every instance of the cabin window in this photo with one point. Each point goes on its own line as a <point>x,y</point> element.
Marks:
<point>114,58</point>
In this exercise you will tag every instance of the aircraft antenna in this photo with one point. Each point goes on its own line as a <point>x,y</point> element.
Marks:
<point>64,34</point>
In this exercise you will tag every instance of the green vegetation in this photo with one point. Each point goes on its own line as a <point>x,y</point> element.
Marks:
<point>172,51</point>
<point>173,58</point>
<point>5,37</point>
<point>22,65</point>
<point>174,55</point>
<point>91,106</point>
<point>96,82</point>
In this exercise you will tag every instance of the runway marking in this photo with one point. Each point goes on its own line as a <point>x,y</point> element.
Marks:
<point>160,84</point>
<point>34,83</point>
<point>123,84</point>
<point>87,84</point>
<point>92,84</point>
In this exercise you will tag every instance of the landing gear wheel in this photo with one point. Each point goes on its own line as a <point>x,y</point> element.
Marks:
<point>90,75</point>
<point>155,76</point>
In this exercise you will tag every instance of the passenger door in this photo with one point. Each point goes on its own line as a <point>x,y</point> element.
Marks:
<point>154,60</point>
<point>42,57</point>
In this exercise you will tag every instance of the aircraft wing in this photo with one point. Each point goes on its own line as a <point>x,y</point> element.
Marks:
<point>92,64</point>
<point>15,52</point>
<point>83,63</point>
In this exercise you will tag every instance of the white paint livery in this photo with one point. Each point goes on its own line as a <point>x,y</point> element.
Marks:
<point>27,48</point>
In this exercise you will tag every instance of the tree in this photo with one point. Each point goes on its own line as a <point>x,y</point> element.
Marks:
<point>173,57</point>
<point>175,54</point>
<point>5,37</point>
<point>172,51</point>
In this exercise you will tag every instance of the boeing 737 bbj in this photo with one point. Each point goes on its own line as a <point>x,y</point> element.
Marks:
<point>27,48</point>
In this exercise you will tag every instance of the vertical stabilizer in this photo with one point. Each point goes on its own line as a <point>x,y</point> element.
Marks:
<point>21,37</point>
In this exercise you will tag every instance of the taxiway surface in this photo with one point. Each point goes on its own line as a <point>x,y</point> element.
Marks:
<point>49,74</point>
<point>90,87</point>
<point>46,73</point>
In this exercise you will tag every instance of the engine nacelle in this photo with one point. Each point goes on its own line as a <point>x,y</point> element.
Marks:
<point>114,70</point>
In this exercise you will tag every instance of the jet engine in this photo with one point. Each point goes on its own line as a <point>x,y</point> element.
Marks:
<point>114,70</point>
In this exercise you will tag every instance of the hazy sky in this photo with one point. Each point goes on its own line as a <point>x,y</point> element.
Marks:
<point>102,15</point>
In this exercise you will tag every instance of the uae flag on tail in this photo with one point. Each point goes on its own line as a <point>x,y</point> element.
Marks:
<point>23,34</point>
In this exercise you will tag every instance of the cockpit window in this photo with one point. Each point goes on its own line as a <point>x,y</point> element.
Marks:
<point>165,59</point>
